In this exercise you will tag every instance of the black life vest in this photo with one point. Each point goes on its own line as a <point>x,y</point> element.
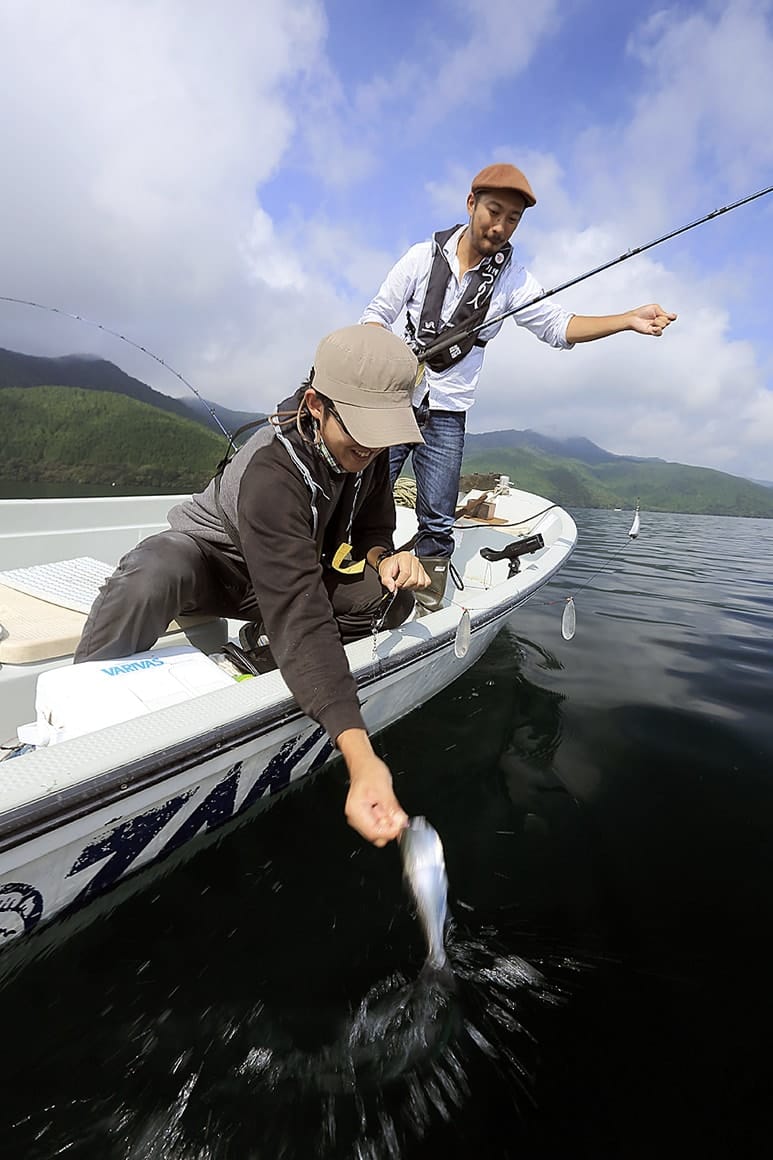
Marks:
<point>470,311</point>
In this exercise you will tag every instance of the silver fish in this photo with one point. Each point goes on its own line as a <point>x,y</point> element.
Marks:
<point>424,869</point>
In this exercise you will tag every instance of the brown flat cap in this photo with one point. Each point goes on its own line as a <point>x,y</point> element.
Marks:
<point>504,177</point>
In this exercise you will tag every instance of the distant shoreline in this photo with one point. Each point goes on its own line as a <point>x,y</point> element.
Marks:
<point>13,489</point>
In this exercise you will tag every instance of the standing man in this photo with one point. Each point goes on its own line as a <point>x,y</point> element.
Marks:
<point>295,533</point>
<point>455,281</point>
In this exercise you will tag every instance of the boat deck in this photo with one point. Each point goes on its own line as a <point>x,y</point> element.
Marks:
<point>43,532</point>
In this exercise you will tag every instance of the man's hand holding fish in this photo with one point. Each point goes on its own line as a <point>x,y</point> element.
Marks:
<point>371,806</point>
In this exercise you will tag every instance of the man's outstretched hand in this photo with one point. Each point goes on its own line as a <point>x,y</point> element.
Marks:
<point>651,319</point>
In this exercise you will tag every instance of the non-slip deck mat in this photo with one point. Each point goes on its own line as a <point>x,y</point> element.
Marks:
<point>72,584</point>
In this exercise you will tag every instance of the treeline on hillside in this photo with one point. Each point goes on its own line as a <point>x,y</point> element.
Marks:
<point>68,435</point>
<point>659,486</point>
<point>98,374</point>
<point>566,481</point>
<point>145,475</point>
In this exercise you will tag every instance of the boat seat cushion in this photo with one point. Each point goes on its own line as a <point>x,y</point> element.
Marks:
<point>32,629</point>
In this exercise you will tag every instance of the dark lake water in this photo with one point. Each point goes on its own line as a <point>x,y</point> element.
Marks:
<point>605,806</point>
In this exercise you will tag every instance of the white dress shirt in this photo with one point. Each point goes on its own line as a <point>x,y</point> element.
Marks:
<point>405,287</point>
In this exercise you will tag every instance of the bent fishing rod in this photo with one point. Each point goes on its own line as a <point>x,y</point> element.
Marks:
<point>437,347</point>
<point>123,338</point>
<point>455,335</point>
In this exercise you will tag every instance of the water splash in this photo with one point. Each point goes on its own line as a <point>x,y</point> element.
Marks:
<point>238,1081</point>
<point>407,1059</point>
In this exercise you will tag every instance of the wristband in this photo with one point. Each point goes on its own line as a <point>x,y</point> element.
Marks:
<point>383,556</point>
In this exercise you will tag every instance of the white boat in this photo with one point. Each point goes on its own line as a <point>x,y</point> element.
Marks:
<point>79,815</point>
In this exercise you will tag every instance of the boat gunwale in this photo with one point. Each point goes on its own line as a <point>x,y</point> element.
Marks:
<point>34,819</point>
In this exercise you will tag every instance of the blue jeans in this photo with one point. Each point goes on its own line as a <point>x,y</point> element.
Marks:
<point>437,464</point>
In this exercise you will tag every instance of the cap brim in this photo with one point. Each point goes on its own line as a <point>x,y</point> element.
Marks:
<point>379,426</point>
<point>529,198</point>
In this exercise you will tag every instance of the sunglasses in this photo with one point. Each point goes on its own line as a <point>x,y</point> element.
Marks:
<point>330,408</point>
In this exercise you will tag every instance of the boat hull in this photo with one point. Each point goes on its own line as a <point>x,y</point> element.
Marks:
<point>80,817</point>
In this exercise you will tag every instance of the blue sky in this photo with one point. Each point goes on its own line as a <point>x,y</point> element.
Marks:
<point>225,184</point>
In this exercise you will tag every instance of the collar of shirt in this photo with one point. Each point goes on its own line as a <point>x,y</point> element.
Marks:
<point>449,249</point>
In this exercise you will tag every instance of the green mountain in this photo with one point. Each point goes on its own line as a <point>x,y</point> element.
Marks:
<point>74,370</point>
<point>592,477</point>
<point>83,420</point>
<point>575,447</point>
<point>231,420</point>
<point>97,374</point>
<point>68,435</point>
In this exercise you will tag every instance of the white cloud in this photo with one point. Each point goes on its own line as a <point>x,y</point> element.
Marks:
<point>694,395</point>
<point>710,88</point>
<point>457,55</point>
<point>490,43</point>
<point>142,134</point>
<point>138,140</point>
<point>699,126</point>
<point>698,131</point>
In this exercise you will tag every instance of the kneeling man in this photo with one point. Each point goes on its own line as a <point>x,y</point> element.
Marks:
<point>295,533</point>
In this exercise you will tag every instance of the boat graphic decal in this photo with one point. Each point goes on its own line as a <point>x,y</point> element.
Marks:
<point>111,855</point>
<point>122,846</point>
<point>21,906</point>
<point>279,770</point>
<point>216,808</point>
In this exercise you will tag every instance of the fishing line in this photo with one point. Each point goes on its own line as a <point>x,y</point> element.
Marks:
<point>569,619</point>
<point>593,575</point>
<point>123,338</point>
<point>516,524</point>
<point>442,343</point>
<point>568,601</point>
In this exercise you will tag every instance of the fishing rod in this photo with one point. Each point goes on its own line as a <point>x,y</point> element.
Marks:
<point>454,336</point>
<point>442,343</point>
<point>123,338</point>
